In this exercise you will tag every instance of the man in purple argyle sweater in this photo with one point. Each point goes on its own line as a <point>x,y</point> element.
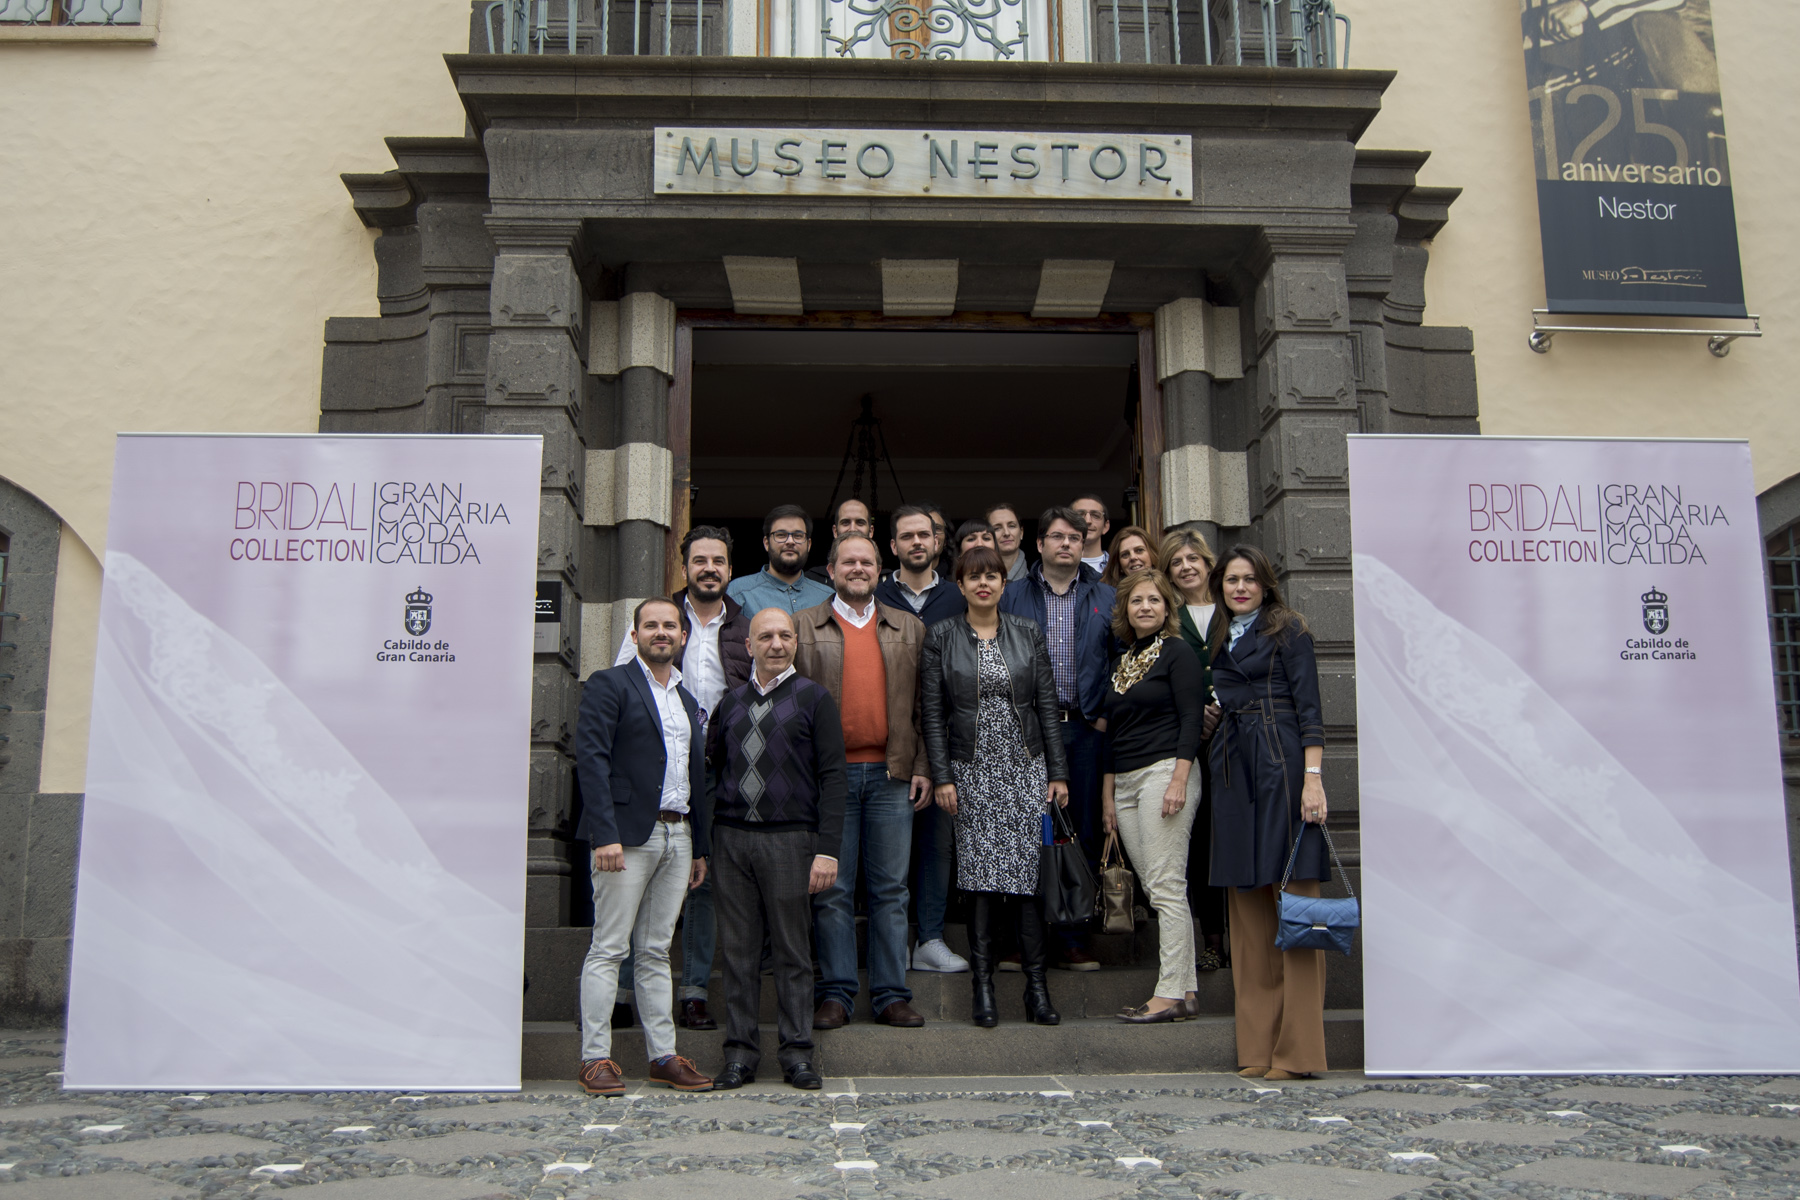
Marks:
<point>777,747</point>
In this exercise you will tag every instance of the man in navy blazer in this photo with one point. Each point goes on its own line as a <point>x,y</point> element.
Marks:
<point>640,758</point>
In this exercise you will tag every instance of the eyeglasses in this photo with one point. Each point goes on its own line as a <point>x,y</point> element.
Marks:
<point>1063,539</point>
<point>787,535</point>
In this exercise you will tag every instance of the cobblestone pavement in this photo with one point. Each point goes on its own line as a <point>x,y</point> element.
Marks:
<point>1154,1137</point>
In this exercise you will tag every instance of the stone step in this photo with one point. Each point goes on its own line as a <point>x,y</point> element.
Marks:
<point>555,972</point>
<point>552,1049</point>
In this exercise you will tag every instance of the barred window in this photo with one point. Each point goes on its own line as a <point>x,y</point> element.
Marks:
<point>71,12</point>
<point>1784,620</point>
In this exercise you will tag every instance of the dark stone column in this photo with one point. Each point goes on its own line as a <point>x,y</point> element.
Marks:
<point>1204,487</point>
<point>536,382</point>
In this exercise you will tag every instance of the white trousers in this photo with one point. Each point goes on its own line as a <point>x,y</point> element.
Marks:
<point>1158,849</point>
<point>637,904</point>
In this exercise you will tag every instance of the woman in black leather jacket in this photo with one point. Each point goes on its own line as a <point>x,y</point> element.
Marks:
<point>996,749</point>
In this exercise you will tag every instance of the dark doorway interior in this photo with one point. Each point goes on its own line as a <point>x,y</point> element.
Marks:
<point>968,418</point>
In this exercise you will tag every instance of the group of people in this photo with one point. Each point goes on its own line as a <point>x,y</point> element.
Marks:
<point>763,742</point>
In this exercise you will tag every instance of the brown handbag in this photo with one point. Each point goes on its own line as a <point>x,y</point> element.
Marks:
<point>1118,888</point>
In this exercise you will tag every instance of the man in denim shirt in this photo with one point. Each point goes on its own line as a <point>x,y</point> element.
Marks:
<point>787,536</point>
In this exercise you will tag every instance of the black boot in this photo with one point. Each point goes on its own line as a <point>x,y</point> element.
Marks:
<point>1034,956</point>
<point>982,1007</point>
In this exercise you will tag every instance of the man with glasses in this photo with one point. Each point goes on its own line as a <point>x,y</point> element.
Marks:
<point>1009,538</point>
<point>787,536</point>
<point>1099,523</point>
<point>852,516</point>
<point>1065,597</point>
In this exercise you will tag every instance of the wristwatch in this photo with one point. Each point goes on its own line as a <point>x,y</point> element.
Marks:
<point>1315,770</point>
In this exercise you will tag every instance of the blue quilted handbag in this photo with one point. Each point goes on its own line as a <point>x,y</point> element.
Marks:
<point>1315,923</point>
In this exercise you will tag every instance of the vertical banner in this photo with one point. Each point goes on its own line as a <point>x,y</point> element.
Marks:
<point>303,847</point>
<point>1634,185</point>
<point>1574,848</point>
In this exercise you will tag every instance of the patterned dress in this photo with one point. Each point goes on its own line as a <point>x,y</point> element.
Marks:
<point>999,793</point>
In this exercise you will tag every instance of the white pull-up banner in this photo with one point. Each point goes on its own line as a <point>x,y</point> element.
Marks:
<point>1574,850</point>
<point>303,846</point>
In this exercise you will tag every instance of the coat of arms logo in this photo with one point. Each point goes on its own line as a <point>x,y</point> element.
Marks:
<point>418,613</point>
<point>1656,612</point>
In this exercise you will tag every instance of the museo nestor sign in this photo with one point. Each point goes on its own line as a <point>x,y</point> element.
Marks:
<point>951,164</point>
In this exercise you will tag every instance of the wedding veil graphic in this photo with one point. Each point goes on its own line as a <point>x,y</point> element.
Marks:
<point>1530,904</point>
<point>243,877</point>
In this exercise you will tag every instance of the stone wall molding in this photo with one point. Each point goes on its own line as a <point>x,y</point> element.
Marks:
<point>1072,287</point>
<point>1200,483</point>
<point>635,331</point>
<point>918,287</point>
<point>1192,335</point>
<point>764,285</point>
<point>633,482</point>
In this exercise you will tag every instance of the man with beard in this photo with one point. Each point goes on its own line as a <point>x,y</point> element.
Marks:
<point>714,660</point>
<point>852,516</point>
<point>787,536</point>
<point>866,654</point>
<point>917,586</point>
<point>778,822</point>
<point>639,756</point>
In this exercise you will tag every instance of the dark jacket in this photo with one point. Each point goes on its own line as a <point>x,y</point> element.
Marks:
<point>1093,629</point>
<point>1269,691</point>
<point>797,751</point>
<point>948,671</point>
<point>620,759</point>
<point>734,641</point>
<point>943,601</point>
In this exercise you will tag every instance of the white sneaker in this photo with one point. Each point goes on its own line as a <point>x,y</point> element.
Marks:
<point>936,956</point>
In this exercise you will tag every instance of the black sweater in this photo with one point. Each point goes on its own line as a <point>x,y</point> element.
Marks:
<point>798,760</point>
<point>1160,717</point>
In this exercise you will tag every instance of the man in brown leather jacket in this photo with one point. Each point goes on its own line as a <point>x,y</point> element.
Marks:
<point>866,654</point>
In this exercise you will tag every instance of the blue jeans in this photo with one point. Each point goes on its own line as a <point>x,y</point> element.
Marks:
<point>935,862</point>
<point>877,838</point>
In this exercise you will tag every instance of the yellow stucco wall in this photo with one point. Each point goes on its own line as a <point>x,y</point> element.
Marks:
<point>175,237</point>
<point>178,235</point>
<point>1461,95</point>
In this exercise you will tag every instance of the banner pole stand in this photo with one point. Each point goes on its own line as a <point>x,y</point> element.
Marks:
<point>1718,341</point>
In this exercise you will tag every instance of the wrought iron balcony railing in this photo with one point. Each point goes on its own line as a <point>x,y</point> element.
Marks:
<point>71,12</point>
<point>1296,33</point>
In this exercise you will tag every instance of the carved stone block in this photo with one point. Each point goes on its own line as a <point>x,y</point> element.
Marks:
<point>565,462</point>
<point>1306,531</point>
<point>536,289</point>
<point>551,790</point>
<point>633,482</point>
<point>555,699</point>
<point>529,366</point>
<point>1308,451</point>
<point>1308,372</point>
<point>918,287</point>
<point>559,533</point>
<point>764,285</point>
<point>1072,287</point>
<point>1325,600</point>
<point>1337,683</point>
<point>1302,297</point>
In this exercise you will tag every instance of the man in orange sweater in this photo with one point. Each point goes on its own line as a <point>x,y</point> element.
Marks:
<point>866,655</point>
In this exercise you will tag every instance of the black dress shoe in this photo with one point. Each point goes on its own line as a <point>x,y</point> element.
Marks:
<point>830,1015</point>
<point>735,1075</point>
<point>695,1016</point>
<point>802,1075</point>
<point>623,1017</point>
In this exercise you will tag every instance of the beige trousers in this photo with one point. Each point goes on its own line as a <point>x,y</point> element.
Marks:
<point>1280,995</point>
<point>1158,849</point>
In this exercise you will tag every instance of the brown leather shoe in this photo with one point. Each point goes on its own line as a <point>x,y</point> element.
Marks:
<point>900,1015</point>
<point>831,1015</point>
<point>600,1077</point>
<point>679,1073</point>
<point>695,1016</point>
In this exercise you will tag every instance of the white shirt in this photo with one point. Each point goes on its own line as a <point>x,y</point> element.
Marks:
<point>677,736</point>
<point>1099,564</point>
<point>702,667</point>
<point>773,683</point>
<point>1202,616</point>
<point>915,600</point>
<point>842,608</point>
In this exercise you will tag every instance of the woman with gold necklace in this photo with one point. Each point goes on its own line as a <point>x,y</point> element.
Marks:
<point>1150,792</point>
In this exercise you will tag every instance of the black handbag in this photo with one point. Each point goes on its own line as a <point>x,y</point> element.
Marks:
<point>1066,891</point>
<point>1315,922</point>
